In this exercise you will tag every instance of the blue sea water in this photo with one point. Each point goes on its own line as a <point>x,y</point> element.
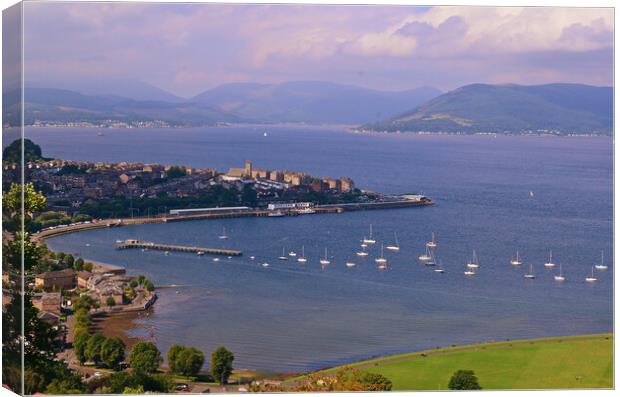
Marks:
<point>292,317</point>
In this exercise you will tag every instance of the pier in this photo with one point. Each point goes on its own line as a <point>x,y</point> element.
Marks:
<point>128,244</point>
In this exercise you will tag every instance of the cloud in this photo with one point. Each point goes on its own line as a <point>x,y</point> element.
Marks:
<point>189,47</point>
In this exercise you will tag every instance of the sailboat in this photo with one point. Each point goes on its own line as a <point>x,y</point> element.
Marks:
<point>363,244</point>
<point>369,240</point>
<point>602,265</point>
<point>439,268</point>
<point>302,258</point>
<point>325,261</point>
<point>550,263</point>
<point>517,261</point>
<point>530,274</point>
<point>591,279</point>
<point>350,264</point>
<point>431,262</point>
<point>432,243</point>
<point>283,257</point>
<point>425,256</point>
<point>381,259</point>
<point>559,277</point>
<point>473,264</point>
<point>223,236</point>
<point>265,264</point>
<point>469,271</point>
<point>362,252</point>
<point>395,246</point>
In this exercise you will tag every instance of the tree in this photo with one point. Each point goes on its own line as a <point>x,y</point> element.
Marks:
<point>13,152</point>
<point>185,360</point>
<point>144,357</point>
<point>88,266</point>
<point>221,364</point>
<point>69,260</point>
<point>464,380</point>
<point>110,301</point>
<point>112,352</point>
<point>78,264</point>
<point>93,347</point>
<point>376,382</point>
<point>80,339</point>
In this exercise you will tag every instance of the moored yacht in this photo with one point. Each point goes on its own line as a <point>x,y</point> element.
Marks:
<point>369,240</point>
<point>516,261</point>
<point>302,258</point>
<point>325,261</point>
<point>223,236</point>
<point>602,265</point>
<point>473,264</point>
<point>432,243</point>
<point>362,252</point>
<point>426,256</point>
<point>381,259</point>
<point>530,274</point>
<point>591,279</point>
<point>550,263</point>
<point>283,257</point>
<point>559,277</point>
<point>395,246</point>
<point>350,264</point>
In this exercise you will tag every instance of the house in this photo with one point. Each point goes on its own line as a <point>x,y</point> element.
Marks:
<point>82,278</point>
<point>113,291</point>
<point>50,318</point>
<point>56,279</point>
<point>47,302</point>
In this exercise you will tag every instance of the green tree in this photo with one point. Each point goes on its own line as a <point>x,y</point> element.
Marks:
<point>110,301</point>
<point>112,352</point>
<point>13,152</point>
<point>464,380</point>
<point>185,360</point>
<point>78,264</point>
<point>144,357</point>
<point>80,340</point>
<point>69,260</point>
<point>88,266</point>
<point>376,382</point>
<point>221,364</point>
<point>93,347</point>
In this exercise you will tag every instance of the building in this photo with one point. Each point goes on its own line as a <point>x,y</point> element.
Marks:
<point>108,290</point>
<point>48,302</point>
<point>82,278</point>
<point>346,185</point>
<point>248,168</point>
<point>56,279</point>
<point>260,173</point>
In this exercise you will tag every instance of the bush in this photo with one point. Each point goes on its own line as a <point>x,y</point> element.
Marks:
<point>464,380</point>
<point>110,301</point>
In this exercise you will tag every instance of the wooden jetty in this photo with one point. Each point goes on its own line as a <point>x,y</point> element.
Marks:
<point>128,244</point>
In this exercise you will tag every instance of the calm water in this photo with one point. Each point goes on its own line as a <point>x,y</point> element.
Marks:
<point>292,317</point>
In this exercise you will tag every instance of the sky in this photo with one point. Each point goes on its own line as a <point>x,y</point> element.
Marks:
<point>188,48</point>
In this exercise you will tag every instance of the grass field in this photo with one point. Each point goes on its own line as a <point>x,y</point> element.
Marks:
<point>584,361</point>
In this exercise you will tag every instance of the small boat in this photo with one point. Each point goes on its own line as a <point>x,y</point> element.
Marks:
<point>230,257</point>
<point>369,240</point>
<point>264,134</point>
<point>283,257</point>
<point>223,236</point>
<point>292,254</point>
<point>426,256</point>
<point>362,252</point>
<point>302,258</point>
<point>167,253</point>
<point>530,274</point>
<point>363,244</point>
<point>531,193</point>
<point>473,264</point>
<point>591,279</point>
<point>350,264</point>
<point>88,244</point>
<point>439,268</point>
<point>469,272</point>
<point>100,134</point>
<point>252,257</point>
<point>516,261</point>
<point>216,259</point>
<point>431,262</point>
<point>559,277</point>
<point>381,259</point>
<point>276,213</point>
<point>265,264</point>
<point>602,265</point>
<point>395,246</point>
<point>550,263</point>
<point>432,243</point>
<point>200,253</point>
<point>325,261</point>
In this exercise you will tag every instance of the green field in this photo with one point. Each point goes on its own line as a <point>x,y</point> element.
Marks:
<point>584,361</point>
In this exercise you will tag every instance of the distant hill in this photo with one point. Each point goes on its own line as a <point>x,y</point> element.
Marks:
<point>56,105</point>
<point>563,108</point>
<point>127,88</point>
<point>314,102</point>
